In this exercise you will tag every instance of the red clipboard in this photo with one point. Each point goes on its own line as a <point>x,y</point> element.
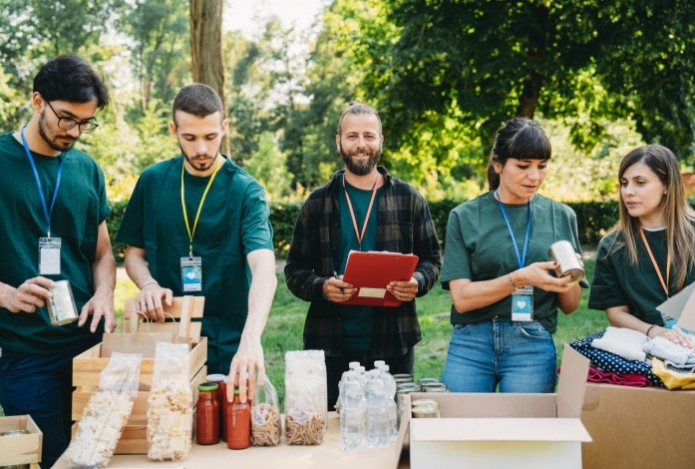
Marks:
<point>370,272</point>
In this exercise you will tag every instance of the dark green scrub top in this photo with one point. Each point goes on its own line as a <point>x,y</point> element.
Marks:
<point>233,223</point>
<point>479,247</point>
<point>80,208</point>
<point>618,283</point>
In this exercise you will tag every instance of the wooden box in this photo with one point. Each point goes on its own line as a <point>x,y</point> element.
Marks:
<point>87,368</point>
<point>20,449</point>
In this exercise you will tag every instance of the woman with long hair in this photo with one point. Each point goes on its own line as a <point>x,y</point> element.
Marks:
<point>649,255</point>
<point>496,266</point>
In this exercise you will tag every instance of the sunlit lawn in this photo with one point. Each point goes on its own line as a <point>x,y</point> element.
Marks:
<point>286,322</point>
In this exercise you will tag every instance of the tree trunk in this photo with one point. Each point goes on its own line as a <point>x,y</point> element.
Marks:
<point>206,49</point>
<point>529,98</point>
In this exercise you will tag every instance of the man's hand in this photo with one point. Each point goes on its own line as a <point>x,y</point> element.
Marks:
<point>403,290</point>
<point>247,360</point>
<point>149,301</point>
<point>31,294</point>
<point>337,291</point>
<point>99,306</point>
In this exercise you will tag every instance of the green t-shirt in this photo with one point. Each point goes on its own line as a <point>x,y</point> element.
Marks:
<point>233,223</point>
<point>79,209</point>
<point>479,247</point>
<point>618,283</point>
<point>356,320</point>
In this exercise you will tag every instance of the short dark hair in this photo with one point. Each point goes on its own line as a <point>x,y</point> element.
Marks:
<point>72,79</point>
<point>357,108</point>
<point>197,99</point>
<point>519,138</point>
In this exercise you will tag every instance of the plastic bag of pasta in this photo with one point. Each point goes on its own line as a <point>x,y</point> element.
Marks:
<point>265,416</point>
<point>305,397</point>
<point>106,413</point>
<point>170,404</point>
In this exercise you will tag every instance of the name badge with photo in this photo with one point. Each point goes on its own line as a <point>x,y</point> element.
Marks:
<point>49,256</point>
<point>192,274</point>
<point>522,304</point>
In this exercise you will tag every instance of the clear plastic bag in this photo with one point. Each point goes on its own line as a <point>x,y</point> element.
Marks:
<point>106,413</point>
<point>170,404</point>
<point>305,397</point>
<point>266,428</point>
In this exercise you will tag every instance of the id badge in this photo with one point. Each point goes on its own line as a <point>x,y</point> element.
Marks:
<point>49,256</point>
<point>522,304</point>
<point>192,273</point>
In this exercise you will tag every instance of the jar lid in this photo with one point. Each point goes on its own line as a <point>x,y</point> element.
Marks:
<point>208,387</point>
<point>215,377</point>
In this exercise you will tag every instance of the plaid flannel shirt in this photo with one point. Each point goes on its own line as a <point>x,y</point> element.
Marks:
<point>404,224</point>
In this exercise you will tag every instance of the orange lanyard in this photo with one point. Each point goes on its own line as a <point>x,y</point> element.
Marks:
<point>359,235</point>
<point>664,285</point>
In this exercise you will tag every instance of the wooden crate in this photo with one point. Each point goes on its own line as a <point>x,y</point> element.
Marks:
<point>87,368</point>
<point>20,449</point>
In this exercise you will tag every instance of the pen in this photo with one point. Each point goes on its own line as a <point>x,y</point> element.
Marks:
<point>335,274</point>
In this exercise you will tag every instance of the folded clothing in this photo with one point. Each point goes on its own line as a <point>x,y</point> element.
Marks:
<point>660,347</point>
<point>608,361</point>
<point>622,341</point>
<point>597,375</point>
<point>673,379</point>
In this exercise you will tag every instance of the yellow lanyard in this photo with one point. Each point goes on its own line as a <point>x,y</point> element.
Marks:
<point>664,285</point>
<point>191,233</point>
<point>369,211</point>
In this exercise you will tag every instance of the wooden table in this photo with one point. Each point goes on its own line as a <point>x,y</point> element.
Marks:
<point>326,455</point>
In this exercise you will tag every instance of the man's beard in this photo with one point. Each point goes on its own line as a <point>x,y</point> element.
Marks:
<point>53,142</point>
<point>361,167</point>
<point>197,165</point>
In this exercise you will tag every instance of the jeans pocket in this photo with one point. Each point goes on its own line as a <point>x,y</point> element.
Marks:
<point>533,330</point>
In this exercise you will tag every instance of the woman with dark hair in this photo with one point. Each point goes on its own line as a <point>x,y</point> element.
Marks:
<point>496,266</point>
<point>649,254</point>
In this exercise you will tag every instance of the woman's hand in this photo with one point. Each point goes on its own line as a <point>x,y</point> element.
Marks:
<point>675,335</point>
<point>538,275</point>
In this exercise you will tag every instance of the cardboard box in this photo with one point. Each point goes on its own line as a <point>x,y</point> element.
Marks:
<point>20,449</point>
<point>87,368</point>
<point>643,427</point>
<point>498,430</point>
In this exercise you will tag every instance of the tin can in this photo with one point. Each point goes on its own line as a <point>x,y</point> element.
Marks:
<point>425,381</point>
<point>61,306</point>
<point>563,253</point>
<point>435,387</point>
<point>425,408</point>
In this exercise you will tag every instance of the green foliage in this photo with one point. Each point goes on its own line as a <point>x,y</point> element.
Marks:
<point>113,223</point>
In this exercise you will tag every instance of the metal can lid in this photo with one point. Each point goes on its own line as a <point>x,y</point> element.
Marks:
<point>425,403</point>
<point>15,432</point>
<point>409,387</point>
<point>429,387</point>
<point>423,381</point>
<point>208,387</point>
<point>403,376</point>
<point>428,413</point>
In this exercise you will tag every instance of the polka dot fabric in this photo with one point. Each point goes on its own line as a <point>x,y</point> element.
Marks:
<point>608,361</point>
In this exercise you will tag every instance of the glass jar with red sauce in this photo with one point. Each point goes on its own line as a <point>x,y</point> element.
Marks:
<point>207,415</point>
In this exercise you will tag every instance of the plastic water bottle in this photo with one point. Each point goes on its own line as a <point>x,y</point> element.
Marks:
<point>353,366</point>
<point>391,406</point>
<point>377,414</point>
<point>378,364</point>
<point>353,418</point>
<point>362,376</point>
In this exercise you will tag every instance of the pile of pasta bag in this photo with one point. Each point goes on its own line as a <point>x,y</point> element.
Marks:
<point>107,412</point>
<point>266,427</point>
<point>170,404</point>
<point>305,397</point>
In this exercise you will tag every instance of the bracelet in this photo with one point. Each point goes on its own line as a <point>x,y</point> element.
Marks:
<point>650,329</point>
<point>151,282</point>
<point>511,282</point>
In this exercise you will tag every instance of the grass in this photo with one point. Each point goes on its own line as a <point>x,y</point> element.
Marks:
<point>286,323</point>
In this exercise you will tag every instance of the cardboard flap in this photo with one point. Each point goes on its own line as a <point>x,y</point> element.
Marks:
<point>492,405</point>
<point>570,390</point>
<point>681,306</point>
<point>500,429</point>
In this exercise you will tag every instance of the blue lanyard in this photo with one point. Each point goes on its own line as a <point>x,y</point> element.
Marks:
<point>47,213</point>
<point>521,260</point>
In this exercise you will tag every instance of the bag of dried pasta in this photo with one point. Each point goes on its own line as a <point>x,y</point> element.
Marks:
<point>170,404</point>
<point>265,416</point>
<point>106,413</point>
<point>305,397</point>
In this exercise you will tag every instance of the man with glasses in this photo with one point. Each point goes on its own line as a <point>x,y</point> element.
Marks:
<point>53,215</point>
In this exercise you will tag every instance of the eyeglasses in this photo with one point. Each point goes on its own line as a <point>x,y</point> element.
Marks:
<point>66,123</point>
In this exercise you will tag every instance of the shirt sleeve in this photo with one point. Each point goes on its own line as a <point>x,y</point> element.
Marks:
<point>457,258</point>
<point>256,231</point>
<point>606,289</point>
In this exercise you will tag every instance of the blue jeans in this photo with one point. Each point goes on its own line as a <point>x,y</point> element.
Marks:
<point>40,385</point>
<point>516,356</point>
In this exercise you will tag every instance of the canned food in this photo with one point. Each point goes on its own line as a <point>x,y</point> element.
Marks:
<point>563,253</point>
<point>15,432</point>
<point>435,387</point>
<point>405,377</point>
<point>425,408</point>
<point>424,381</point>
<point>410,387</point>
<point>61,306</point>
